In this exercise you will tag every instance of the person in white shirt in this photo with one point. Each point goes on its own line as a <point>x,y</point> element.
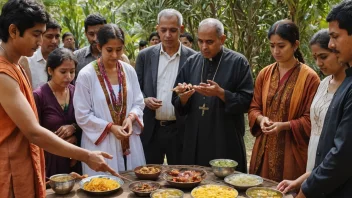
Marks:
<point>37,62</point>
<point>157,68</point>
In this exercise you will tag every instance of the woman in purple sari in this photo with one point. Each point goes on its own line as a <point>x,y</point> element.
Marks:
<point>55,108</point>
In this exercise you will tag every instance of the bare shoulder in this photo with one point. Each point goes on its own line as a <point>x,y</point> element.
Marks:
<point>7,85</point>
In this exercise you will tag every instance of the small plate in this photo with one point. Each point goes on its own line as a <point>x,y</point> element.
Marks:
<point>141,193</point>
<point>118,180</point>
<point>243,187</point>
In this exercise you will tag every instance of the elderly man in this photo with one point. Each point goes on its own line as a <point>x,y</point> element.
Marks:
<point>157,68</point>
<point>214,89</point>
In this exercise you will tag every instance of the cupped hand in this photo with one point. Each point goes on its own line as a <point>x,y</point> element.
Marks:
<point>152,103</point>
<point>65,131</point>
<point>288,185</point>
<point>119,132</point>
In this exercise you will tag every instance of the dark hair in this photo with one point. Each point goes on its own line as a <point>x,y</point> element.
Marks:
<point>66,35</point>
<point>188,36</point>
<point>110,31</point>
<point>321,38</point>
<point>287,30</point>
<point>92,20</point>
<point>22,13</point>
<point>58,56</point>
<point>142,43</point>
<point>342,13</point>
<point>52,24</point>
<point>153,34</point>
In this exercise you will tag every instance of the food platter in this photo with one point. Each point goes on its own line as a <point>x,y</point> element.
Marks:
<point>184,177</point>
<point>213,191</point>
<point>101,184</point>
<point>243,181</point>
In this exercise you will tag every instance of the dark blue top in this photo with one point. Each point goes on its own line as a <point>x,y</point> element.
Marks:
<point>332,175</point>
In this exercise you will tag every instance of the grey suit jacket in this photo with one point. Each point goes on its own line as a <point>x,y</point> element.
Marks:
<point>147,70</point>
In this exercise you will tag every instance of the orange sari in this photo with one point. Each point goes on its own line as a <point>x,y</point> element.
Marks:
<point>21,163</point>
<point>283,155</point>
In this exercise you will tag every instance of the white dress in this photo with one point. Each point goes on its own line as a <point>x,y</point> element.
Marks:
<point>318,109</point>
<point>92,115</point>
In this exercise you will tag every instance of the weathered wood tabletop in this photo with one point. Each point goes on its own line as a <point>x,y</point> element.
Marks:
<point>124,192</point>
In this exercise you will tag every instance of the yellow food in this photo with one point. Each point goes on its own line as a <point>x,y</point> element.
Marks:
<point>101,185</point>
<point>214,191</point>
<point>167,194</point>
<point>61,178</point>
<point>244,180</point>
<point>264,194</point>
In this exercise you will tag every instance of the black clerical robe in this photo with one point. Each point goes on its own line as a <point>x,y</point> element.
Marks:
<point>218,132</point>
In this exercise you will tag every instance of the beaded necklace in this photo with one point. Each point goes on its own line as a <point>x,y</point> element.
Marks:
<point>116,101</point>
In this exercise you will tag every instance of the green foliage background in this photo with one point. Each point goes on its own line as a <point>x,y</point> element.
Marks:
<point>246,21</point>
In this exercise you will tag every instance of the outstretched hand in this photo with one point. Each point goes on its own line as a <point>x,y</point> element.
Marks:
<point>96,161</point>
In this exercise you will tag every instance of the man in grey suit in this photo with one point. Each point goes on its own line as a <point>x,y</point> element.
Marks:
<point>157,68</point>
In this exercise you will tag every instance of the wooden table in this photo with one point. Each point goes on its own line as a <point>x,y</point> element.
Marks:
<point>124,192</point>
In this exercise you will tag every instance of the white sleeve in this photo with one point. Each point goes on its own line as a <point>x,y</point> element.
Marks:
<point>91,125</point>
<point>137,102</point>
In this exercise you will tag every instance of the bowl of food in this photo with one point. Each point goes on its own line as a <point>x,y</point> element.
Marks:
<point>262,192</point>
<point>184,177</point>
<point>223,167</point>
<point>62,183</point>
<point>167,193</point>
<point>211,190</point>
<point>143,188</point>
<point>148,172</point>
<point>101,184</point>
<point>243,181</point>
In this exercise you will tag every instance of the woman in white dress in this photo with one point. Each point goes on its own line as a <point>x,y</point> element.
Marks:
<point>326,60</point>
<point>109,104</point>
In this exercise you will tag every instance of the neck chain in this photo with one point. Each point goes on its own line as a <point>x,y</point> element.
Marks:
<point>65,105</point>
<point>216,71</point>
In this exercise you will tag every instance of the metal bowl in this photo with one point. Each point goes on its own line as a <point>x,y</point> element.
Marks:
<point>275,193</point>
<point>154,194</point>
<point>153,176</point>
<point>118,180</point>
<point>210,185</point>
<point>221,171</point>
<point>243,186</point>
<point>62,187</point>
<point>133,185</point>
<point>169,178</point>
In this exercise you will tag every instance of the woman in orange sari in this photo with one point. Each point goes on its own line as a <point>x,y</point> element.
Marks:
<point>279,111</point>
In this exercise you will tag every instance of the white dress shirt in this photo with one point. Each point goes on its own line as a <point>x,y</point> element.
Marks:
<point>37,65</point>
<point>167,73</point>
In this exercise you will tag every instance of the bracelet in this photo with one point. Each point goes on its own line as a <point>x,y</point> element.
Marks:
<point>74,126</point>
